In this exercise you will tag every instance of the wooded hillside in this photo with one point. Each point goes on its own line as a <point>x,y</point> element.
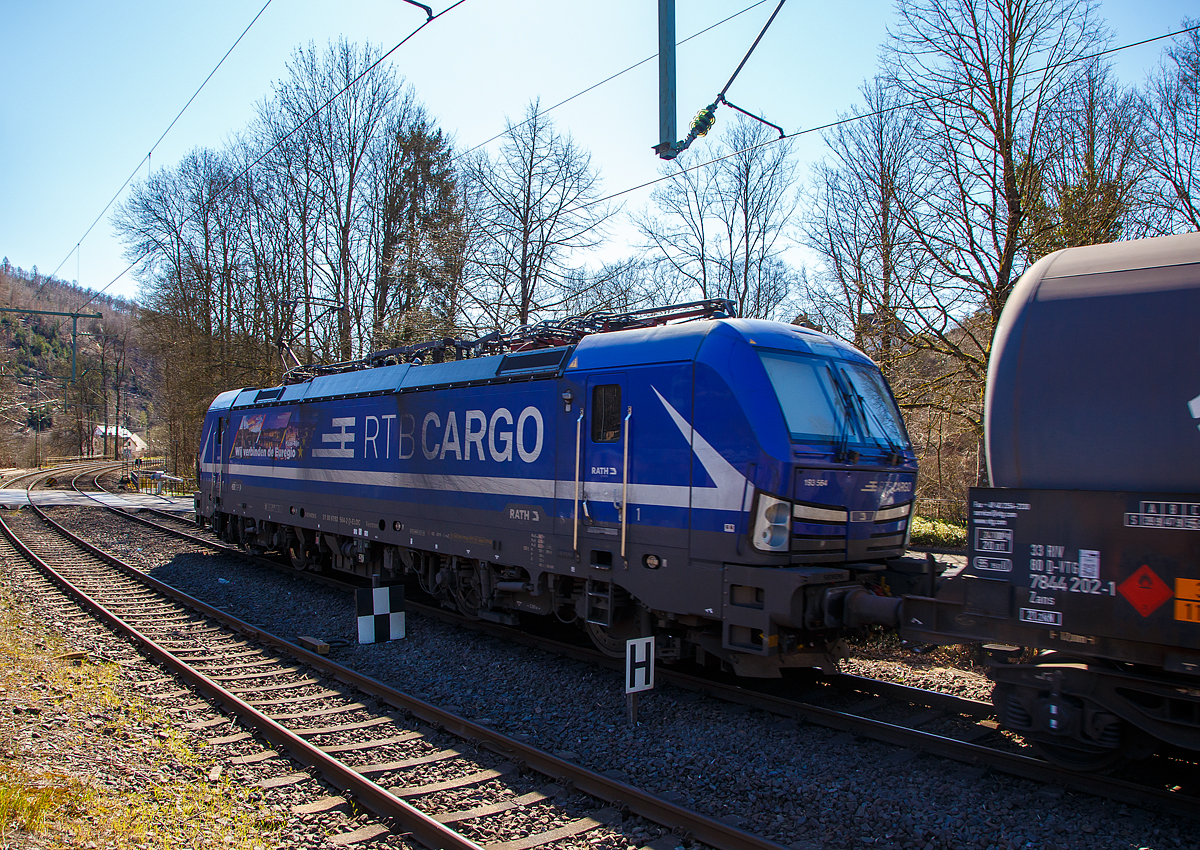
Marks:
<point>43,412</point>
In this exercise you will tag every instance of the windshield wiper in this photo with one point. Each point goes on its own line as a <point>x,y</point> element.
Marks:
<point>894,453</point>
<point>843,455</point>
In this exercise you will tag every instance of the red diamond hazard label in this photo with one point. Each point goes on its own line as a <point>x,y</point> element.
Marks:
<point>1145,590</point>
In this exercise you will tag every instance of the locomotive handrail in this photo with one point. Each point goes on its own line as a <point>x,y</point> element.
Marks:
<point>625,484</point>
<point>578,453</point>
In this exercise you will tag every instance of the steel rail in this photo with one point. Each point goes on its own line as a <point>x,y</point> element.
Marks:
<point>893,690</point>
<point>924,742</point>
<point>373,796</point>
<point>704,829</point>
<point>929,743</point>
<point>63,469</point>
<point>134,513</point>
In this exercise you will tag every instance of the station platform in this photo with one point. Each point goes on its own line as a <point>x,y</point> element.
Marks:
<point>129,501</point>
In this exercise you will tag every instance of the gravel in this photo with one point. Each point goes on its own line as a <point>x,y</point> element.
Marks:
<point>801,785</point>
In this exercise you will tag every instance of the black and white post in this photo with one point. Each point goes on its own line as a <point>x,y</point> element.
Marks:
<point>380,613</point>
<point>639,671</point>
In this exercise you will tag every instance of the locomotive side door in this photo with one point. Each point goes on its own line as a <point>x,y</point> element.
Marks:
<point>223,450</point>
<point>604,444</point>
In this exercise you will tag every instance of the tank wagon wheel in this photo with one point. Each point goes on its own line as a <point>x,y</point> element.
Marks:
<point>1077,757</point>
<point>1126,743</point>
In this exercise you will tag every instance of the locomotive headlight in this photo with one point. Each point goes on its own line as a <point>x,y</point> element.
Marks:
<point>772,524</point>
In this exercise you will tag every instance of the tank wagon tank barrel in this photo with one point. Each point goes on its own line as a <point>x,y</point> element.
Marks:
<point>737,487</point>
<point>1085,552</point>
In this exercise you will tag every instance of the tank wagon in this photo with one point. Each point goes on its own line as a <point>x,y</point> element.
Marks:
<point>1087,549</point>
<point>733,486</point>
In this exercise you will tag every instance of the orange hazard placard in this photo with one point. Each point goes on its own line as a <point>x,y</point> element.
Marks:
<point>1187,610</point>
<point>1187,600</point>
<point>1145,591</point>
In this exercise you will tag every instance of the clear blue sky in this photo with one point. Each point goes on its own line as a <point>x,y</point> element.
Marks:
<point>87,88</point>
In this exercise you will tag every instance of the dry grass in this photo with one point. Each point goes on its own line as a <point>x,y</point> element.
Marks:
<point>87,763</point>
<point>879,645</point>
<point>27,801</point>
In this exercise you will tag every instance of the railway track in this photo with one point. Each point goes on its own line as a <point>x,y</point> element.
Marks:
<point>411,763</point>
<point>66,471</point>
<point>919,721</point>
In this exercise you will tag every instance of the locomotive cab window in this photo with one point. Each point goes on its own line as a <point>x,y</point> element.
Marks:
<point>606,413</point>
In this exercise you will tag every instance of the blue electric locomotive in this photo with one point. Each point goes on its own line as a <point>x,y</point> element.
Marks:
<point>735,486</point>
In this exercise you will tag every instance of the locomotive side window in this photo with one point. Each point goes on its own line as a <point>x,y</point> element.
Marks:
<point>606,413</point>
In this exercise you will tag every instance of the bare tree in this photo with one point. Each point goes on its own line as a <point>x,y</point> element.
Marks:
<point>1171,141</point>
<point>185,229</point>
<point>856,225</point>
<point>1091,188</point>
<point>720,231</point>
<point>616,287</point>
<point>984,73</point>
<point>290,169</point>
<point>342,115</point>
<point>536,209</point>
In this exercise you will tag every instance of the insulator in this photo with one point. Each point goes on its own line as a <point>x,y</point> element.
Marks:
<point>704,120</point>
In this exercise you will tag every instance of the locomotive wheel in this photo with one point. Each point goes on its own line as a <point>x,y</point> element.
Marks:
<point>465,590</point>
<point>610,640</point>
<point>296,555</point>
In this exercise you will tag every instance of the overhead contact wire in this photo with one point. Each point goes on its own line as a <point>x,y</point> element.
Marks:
<point>874,113</point>
<point>664,178</point>
<point>146,158</point>
<point>368,70</point>
<point>279,142</point>
<point>632,67</point>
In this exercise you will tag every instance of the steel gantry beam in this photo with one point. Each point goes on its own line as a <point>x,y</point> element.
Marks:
<point>75,317</point>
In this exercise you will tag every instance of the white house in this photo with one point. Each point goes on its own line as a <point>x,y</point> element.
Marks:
<point>126,440</point>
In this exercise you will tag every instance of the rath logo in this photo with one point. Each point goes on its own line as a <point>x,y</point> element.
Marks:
<point>1145,590</point>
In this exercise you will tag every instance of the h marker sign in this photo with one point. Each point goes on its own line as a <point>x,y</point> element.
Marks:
<point>639,664</point>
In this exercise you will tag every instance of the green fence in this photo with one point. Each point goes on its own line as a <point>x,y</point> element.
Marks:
<point>153,480</point>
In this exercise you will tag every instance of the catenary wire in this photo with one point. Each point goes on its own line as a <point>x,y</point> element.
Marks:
<point>338,94</point>
<point>607,80</point>
<point>278,142</point>
<point>146,158</point>
<point>860,116</point>
<point>697,166</point>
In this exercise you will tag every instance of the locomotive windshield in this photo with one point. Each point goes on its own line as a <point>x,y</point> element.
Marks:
<point>826,400</point>
<point>881,419</point>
